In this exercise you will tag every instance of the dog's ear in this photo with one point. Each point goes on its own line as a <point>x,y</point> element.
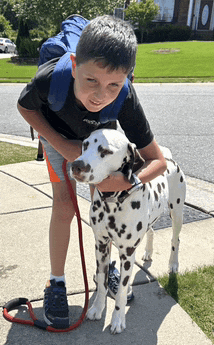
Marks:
<point>129,159</point>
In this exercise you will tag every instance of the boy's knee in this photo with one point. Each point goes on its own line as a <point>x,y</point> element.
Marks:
<point>62,204</point>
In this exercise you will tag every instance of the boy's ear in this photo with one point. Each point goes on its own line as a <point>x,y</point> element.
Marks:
<point>73,59</point>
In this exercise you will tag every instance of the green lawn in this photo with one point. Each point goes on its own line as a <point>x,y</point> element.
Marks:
<point>175,62</point>
<point>10,153</point>
<point>14,73</point>
<point>194,291</point>
<point>190,61</point>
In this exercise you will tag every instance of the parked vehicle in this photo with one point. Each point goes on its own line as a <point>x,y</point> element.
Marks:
<point>7,46</point>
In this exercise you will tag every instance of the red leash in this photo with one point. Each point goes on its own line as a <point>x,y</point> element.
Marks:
<point>13,304</point>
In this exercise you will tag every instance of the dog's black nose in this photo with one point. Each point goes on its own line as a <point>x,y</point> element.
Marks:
<point>79,166</point>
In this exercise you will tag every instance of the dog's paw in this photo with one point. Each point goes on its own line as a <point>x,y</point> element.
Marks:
<point>94,313</point>
<point>173,268</point>
<point>147,256</point>
<point>118,323</point>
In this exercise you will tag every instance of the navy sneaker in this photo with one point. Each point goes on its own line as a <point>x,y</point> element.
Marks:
<point>114,281</point>
<point>56,305</point>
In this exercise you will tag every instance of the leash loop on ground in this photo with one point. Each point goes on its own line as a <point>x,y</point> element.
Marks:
<point>17,302</point>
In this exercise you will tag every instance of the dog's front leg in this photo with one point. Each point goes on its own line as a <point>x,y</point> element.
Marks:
<point>102,257</point>
<point>118,322</point>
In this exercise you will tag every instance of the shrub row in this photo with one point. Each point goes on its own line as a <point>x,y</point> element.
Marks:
<point>165,33</point>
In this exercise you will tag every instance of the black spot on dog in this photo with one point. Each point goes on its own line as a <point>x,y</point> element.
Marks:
<point>101,215</point>
<point>117,308</point>
<point>178,201</point>
<point>85,145</point>
<point>93,220</point>
<point>104,151</point>
<point>135,205</point>
<point>150,185</point>
<point>120,247</point>
<point>139,226</point>
<point>106,238</point>
<point>163,185</point>
<point>129,236</point>
<point>87,168</point>
<point>107,209</point>
<point>171,206</point>
<point>102,248</point>
<point>127,265</point>
<point>91,178</point>
<point>110,235</point>
<point>168,171</point>
<point>111,223</point>
<point>106,277</point>
<point>159,188</point>
<point>104,257</point>
<point>181,179</point>
<point>178,169</point>
<point>130,251</point>
<point>149,196</point>
<point>97,203</point>
<point>137,242</point>
<point>173,248</point>
<point>123,257</point>
<point>156,196</point>
<point>144,187</point>
<point>94,209</point>
<point>125,281</point>
<point>95,140</point>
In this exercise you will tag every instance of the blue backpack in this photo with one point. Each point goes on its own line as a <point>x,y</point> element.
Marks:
<point>62,45</point>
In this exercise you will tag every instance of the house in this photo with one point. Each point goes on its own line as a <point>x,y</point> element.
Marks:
<point>198,14</point>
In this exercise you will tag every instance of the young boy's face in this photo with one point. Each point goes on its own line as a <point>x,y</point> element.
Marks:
<point>95,87</point>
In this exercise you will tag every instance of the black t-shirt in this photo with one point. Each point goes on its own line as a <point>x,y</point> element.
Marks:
<point>76,123</point>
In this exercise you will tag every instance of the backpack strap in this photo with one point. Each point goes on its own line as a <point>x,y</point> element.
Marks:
<point>110,112</point>
<point>60,82</point>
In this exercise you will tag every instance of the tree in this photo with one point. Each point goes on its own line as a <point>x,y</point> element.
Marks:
<point>141,14</point>
<point>5,27</point>
<point>53,12</point>
<point>23,32</point>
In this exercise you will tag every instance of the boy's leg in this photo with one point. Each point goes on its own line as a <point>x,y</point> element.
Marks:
<point>62,215</point>
<point>56,312</point>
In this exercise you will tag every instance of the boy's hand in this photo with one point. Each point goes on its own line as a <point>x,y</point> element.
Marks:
<point>71,149</point>
<point>114,183</point>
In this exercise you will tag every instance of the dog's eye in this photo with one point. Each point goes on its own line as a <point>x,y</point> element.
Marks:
<point>85,145</point>
<point>104,151</point>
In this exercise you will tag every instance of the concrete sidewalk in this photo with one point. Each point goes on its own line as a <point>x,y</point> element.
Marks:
<point>152,318</point>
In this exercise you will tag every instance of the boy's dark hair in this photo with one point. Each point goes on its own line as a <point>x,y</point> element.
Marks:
<point>108,40</point>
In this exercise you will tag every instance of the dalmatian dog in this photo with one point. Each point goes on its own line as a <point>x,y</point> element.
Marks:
<point>124,217</point>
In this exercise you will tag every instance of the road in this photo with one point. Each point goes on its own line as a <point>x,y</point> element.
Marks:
<point>180,115</point>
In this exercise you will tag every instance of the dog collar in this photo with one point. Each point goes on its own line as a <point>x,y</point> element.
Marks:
<point>121,196</point>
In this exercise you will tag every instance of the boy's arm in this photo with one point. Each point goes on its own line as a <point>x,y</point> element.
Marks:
<point>69,149</point>
<point>154,166</point>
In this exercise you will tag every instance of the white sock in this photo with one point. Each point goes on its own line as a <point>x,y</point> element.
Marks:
<point>58,278</point>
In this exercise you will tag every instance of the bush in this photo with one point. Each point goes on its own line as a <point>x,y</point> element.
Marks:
<point>168,33</point>
<point>28,48</point>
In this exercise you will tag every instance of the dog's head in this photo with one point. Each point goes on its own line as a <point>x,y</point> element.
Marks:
<point>104,152</point>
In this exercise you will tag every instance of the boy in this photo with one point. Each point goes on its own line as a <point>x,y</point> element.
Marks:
<point>105,55</point>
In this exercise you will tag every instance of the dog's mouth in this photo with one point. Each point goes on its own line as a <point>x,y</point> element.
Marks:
<point>79,178</point>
